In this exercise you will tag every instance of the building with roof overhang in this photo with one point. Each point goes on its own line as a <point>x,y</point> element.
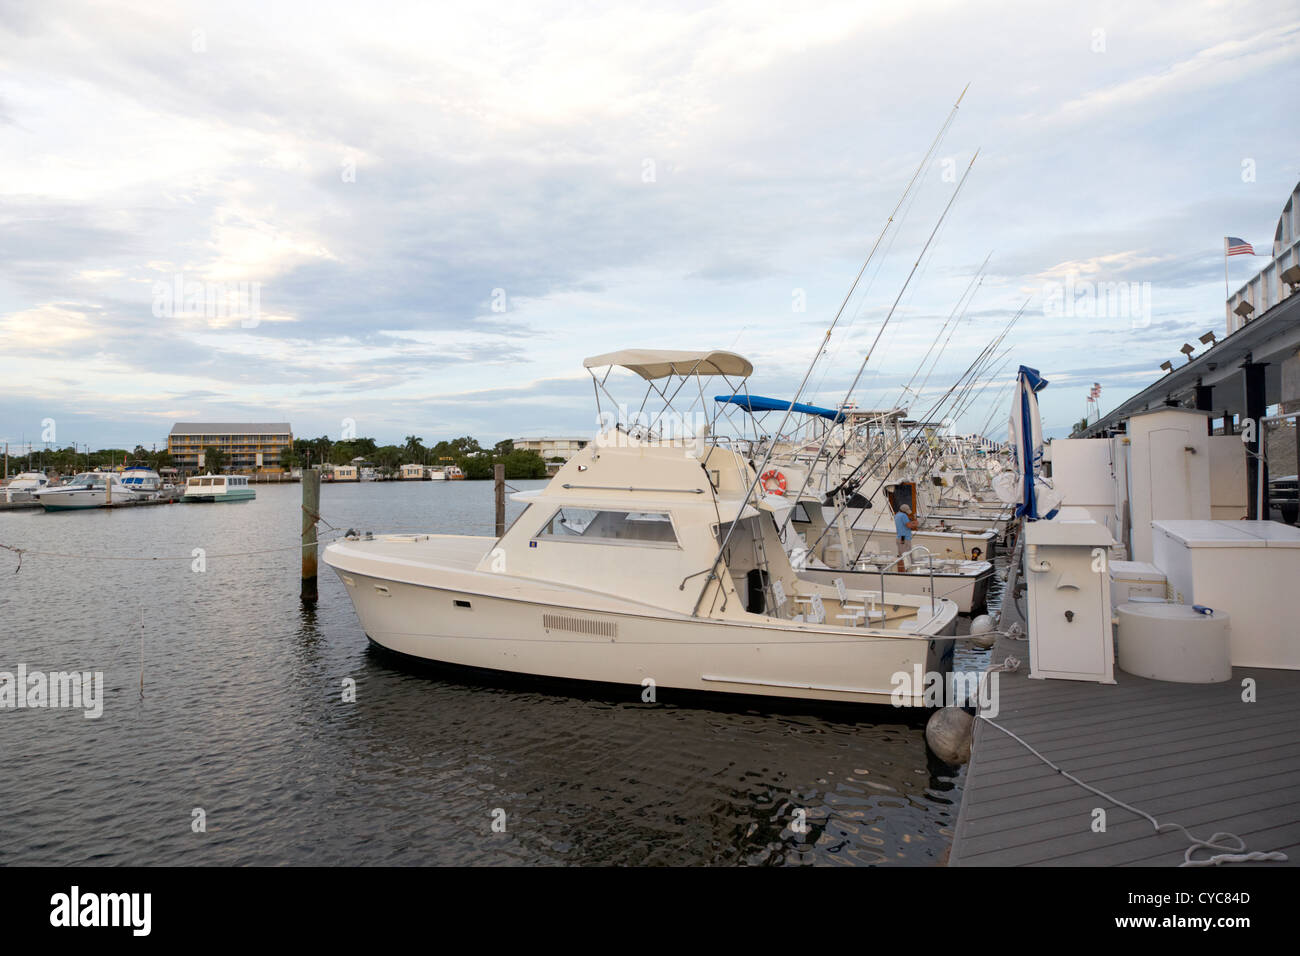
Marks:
<point>248,447</point>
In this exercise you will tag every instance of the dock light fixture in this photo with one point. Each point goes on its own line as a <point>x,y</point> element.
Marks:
<point>1167,366</point>
<point>1244,309</point>
<point>1187,349</point>
<point>1291,276</point>
<point>1210,339</point>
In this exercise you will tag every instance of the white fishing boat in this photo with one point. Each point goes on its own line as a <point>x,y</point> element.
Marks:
<point>142,480</point>
<point>22,486</point>
<point>211,488</point>
<point>644,561</point>
<point>90,489</point>
<point>818,551</point>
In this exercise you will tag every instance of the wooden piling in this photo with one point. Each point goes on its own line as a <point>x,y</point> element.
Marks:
<point>310,514</point>
<point>499,473</point>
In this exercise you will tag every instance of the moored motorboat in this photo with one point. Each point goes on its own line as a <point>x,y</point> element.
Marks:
<point>22,486</point>
<point>90,489</point>
<point>210,488</point>
<point>143,480</point>
<point>644,562</point>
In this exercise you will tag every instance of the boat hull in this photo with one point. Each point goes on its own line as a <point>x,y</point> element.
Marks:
<point>240,494</point>
<point>574,643</point>
<point>80,500</point>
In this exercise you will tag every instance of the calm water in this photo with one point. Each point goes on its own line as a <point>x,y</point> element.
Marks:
<point>242,716</point>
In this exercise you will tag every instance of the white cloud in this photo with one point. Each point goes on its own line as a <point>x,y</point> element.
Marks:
<point>503,146</point>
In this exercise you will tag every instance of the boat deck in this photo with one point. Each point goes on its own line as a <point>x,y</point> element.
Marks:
<point>457,551</point>
<point>1192,754</point>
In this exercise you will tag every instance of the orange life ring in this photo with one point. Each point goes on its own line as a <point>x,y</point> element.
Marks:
<point>773,475</point>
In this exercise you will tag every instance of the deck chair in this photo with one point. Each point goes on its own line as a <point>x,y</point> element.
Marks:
<point>853,612</point>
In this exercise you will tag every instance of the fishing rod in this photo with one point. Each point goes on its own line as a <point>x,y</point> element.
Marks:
<point>983,432</point>
<point>973,369</point>
<point>963,404</point>
<point>963,401</point>
<point>870,463</point>
<point>884,478</point>
<point>934,145</point>
<point>978,393</point>
<point>971,287</point>
<point>879,332</point>
<point>844,485</point>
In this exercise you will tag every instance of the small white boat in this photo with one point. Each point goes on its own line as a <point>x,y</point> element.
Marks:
<point>142,480</point>
<point>90,489</point>
<point>218,488</point>
<point>22,486</point>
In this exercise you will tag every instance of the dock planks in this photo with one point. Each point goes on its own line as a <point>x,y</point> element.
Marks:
<point>1192,754</point>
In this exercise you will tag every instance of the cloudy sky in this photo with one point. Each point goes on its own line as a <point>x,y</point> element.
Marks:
<point>438,210</point>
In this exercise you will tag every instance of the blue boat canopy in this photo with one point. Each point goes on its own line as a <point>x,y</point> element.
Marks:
<point>758,403</point>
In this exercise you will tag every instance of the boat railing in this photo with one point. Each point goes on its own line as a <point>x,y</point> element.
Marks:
<point>929,554</point>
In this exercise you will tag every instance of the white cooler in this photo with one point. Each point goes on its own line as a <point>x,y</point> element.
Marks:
<point>1130,580</point>
<point>1173,642</point>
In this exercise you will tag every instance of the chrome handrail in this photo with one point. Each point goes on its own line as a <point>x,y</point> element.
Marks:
<point>930,555</point>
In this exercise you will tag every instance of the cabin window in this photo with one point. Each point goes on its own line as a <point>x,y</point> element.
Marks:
<point>648,528</point>
<point>800,515</point>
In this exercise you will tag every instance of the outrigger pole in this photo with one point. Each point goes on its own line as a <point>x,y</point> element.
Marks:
<point>881,331</point>
<point>925,160</point>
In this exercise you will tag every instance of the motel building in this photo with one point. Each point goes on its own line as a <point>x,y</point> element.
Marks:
<point>249,447</point>
<point>549,448</point>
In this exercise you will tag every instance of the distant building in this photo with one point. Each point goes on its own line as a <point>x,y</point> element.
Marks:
<point>550,448</point>
<point>412,472</point>
<point>345,473</point>
<point>248,446</point>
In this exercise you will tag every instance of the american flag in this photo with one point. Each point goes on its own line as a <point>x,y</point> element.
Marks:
<point>1238,247</point>
<point>1095,393</point>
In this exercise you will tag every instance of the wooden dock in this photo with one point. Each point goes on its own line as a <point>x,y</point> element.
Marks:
<point>1192,754</point>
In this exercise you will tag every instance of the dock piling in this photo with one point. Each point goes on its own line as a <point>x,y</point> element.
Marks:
<point>499,474</point>
<point>310,515</point>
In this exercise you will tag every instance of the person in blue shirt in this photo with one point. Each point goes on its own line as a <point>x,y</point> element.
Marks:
<point>904,525</point>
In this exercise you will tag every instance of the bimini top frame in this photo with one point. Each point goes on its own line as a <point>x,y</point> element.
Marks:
<point>659,368</point>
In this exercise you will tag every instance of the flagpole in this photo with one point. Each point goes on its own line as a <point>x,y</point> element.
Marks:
<point>1226,294</point>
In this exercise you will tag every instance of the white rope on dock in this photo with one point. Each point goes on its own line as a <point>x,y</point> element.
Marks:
<point>1232,847</point>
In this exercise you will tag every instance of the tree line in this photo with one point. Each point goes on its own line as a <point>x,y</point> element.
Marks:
<point>72,459</point>
<point>465,453</point>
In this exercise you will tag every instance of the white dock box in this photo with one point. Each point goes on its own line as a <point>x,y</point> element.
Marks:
<point>1134,580</point>
<point>1248,569</point>
<point>1070,634</point>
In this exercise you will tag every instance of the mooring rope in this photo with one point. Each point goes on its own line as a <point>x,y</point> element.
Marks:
<point>157,557</point>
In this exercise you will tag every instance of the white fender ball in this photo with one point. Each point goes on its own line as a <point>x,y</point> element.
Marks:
<point>948,734</point>
<point>981,632</point>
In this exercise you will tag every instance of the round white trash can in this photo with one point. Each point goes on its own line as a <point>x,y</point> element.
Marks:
<point>1173,642</point>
